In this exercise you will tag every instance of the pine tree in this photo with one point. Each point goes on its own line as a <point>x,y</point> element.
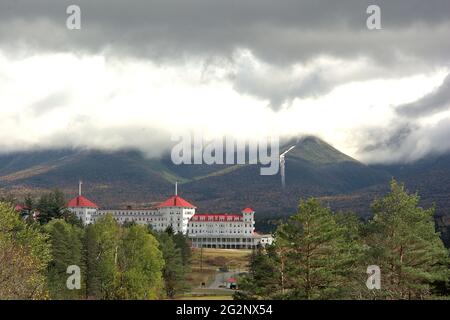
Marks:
<point>316,256</point>
<point>29,202</point>
<point>264,280</point>
<point>66,251</point>
<point>174,272</point>
<point>406,246</point>
<point>353,256</point>
<point>51,206</point>
<point>182,243</point>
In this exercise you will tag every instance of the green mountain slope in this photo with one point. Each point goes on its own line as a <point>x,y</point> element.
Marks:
<point>313,168</point>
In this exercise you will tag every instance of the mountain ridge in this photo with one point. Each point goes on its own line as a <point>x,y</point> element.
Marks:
<point>313,168</point>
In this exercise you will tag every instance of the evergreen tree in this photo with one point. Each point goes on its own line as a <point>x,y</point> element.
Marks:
<point>66,251</point>
<point>29,202</point>
<point>169,230</point>
<point>72,219</point>
<point>406,246</point>
<point>317,256</point>
<point>182,243</point>
<point>128,224</point>
<point>264,280</point>
<point>174,271</point>
<point>51,206</point>
<point>353,255</point>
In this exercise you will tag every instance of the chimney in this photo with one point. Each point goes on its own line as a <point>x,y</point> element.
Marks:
<point>79,187</point>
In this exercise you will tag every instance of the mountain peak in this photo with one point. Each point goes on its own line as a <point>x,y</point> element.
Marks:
<point>314,149</point>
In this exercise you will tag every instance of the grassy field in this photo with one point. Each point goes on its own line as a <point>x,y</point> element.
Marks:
<point>205,264</point>
<point>196,277</point>
<point>215,258</point>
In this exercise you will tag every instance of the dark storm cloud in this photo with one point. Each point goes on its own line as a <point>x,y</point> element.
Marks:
<point>282,31</point>
<point>436,101</point>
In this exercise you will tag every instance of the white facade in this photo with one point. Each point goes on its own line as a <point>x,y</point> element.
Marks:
<point>159,219</point>
<point>177,218</point>
<point>204,230</point>
<point>86,214</point>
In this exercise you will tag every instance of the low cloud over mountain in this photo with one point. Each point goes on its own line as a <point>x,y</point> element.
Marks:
<point>139,71</point>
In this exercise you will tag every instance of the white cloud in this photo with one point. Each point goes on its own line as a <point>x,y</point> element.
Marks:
<point>65,100</point>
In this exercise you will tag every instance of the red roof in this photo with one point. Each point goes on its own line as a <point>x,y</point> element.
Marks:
<point>216,217</point>
<point>176,201</point>
<point>231,280</point>
<point>81,202</point>
<point>20,207</point>
<point>248,210</point>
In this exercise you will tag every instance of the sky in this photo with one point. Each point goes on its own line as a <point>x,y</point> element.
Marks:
<point>138,72</point>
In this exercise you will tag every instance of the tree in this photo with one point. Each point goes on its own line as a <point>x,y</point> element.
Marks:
<point>182,243</point>
<point>264,280</point>
<point>354,255</point>
<point>122,263</point>
<point>128,224</point>
<point>51,206</point>
<point>8,198</point>
<point>320,255</point>
<point>101,245</point>
<point>316,255</point>
<point>29,202</point>
<point>406,246</point>
<point>169,230</point>
<point>72,219</point>
<point>174,271</point>
<point>24,255</point>
<point>140,264</point>
<point>66,251</point>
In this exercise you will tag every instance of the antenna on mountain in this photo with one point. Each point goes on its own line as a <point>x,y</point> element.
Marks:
<point>79,187</point>
<point>176,188</point>
<point>282,166</point>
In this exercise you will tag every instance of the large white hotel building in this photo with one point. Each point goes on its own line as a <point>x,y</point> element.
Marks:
<point>207,230</point>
